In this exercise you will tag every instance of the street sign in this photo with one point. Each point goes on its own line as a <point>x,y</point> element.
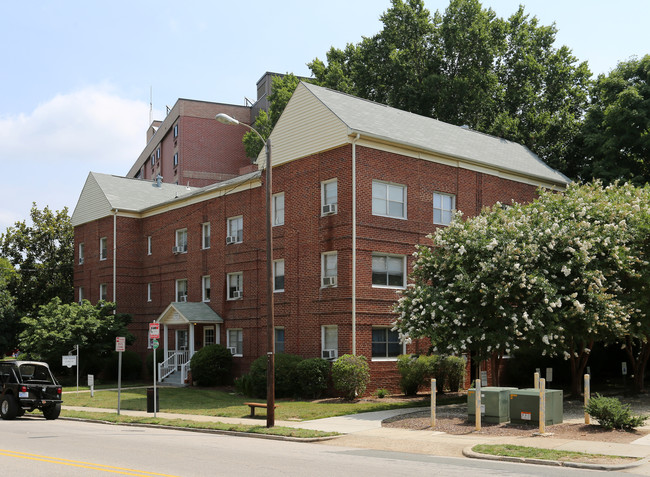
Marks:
<point>91,380</point>
<point>120,343</point>
<point>154,330</point>
<point>69,360</point>
<point>155,344</point>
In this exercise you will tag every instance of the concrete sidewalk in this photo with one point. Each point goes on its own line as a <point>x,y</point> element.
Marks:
<point>365,431</point>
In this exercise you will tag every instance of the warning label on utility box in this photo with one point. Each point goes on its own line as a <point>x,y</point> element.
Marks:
<point>525,416</point>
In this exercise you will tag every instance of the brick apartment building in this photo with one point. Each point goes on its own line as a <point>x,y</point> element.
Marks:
<point>355,186</point>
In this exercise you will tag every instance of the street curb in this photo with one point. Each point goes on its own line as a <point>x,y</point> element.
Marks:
<point>206,431</point>
<point>468,452</point>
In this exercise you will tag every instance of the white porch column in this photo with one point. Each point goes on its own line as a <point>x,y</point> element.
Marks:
<point>165,341</point>
<point>192,325</point>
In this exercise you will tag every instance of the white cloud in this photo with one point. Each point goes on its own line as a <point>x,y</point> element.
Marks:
<point>46,154</point>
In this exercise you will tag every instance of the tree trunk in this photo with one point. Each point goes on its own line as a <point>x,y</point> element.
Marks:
<point>495,363</point>
<point>578,364</point>
<point>639,361</point>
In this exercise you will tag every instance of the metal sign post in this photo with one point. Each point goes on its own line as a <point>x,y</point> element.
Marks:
<point>154,334</point>
<point>120,346</point>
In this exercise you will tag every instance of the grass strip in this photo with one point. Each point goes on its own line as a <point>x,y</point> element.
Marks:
<point>509,450</point>
<point>188,424</point>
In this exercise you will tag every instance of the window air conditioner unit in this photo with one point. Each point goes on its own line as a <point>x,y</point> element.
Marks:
<point>231,239</point>
<point>329,281</point>
<point>179,249</point>
<point>330,353</point>
<point>329,209</point>
<point>183,298</point>
<point>237,294</point>
<point>232,349</point>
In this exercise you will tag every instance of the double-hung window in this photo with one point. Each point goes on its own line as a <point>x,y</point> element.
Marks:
<point>388,199</point>
<point>205,235</point>
<point>279,339</point>
<point>329,197</point>
<point>148,292</point>
<point>206,288</point>
<point>81,253</point>
<point>329,269</point>
<point>278,209</point>
<point>235,230</point>
<point>443,208</point>
<point>181,290</point>
<point>81,294</point>
<point>103,291</point>
<point>149,245</point>
<point>236,341</point>
<point>175,159</point>
<point>388,270</point>
<point>103,248</point>
<point>235,285</point>
<point>181,241</point>
<point>330,341</point>
<point>209,336</point>
<point>278,276</point>
<point>175,130</point>
<point>385,343</point>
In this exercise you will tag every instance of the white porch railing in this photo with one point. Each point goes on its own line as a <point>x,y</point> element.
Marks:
<point>175,361</point>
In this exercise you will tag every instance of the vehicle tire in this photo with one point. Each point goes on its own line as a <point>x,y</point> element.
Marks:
<point>8,407</point>
<point>20,412</point>
<point>52,412</point>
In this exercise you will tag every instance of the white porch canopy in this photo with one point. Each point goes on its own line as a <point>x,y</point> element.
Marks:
<point>189,314</point>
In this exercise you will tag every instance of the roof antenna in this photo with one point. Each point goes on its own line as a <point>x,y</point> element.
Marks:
<point>188,185</point>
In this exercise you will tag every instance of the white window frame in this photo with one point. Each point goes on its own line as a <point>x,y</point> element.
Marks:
<point>181,284</point>
<point>103,248</point>
<point>441,209</point>
<point>205,288</point>
<point>386,199</point>
<point>239,341</point>
<point>176,130</point>
<point>387,330</point>
<point>323,194</point>
<point>205,335</point>
<point>324,344</point>
<point>153,159</point>
<point>276,266</point>
<point>158,153</point>
<point>236,228</point>
<point>81,253</point>
<point>181,239</point>
<point>277,217</point>
<point>186,339</point>
<point>389,259</point>
<point>175,159</point>
<point>148,292</point>
<point>205,235</point>
<point>235,282</point>
<point>81,294</point>
<point>276,341</point>
<point>103,291</point>
<point>329,269</point>
<point>149,245</point>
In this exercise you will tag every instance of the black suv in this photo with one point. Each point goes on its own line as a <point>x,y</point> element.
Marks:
<point>26,386</point>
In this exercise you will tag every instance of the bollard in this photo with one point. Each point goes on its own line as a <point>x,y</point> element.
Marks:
<point>542,406</point>
<point>536,379</point>
<point>477,405</point>
<point>433,403</point>
<point>587,395</point>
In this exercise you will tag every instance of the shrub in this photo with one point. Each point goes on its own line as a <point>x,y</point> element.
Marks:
<point>455,372</point>
<point>441,371</point>
<point>381,393</point>
<point>212,365</point>
<point>131,366</point>
<point>311,375</point>
<point>286,384</point>
<point>612,414</point>
<point>412,372</point>
<point>351,375</point>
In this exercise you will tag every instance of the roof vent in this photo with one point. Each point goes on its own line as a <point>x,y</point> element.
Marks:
<point>159,179</point>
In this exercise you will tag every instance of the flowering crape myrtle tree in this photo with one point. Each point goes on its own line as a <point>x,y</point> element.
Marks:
<point>550,274</point>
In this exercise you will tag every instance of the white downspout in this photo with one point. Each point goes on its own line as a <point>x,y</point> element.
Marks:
<point>354,244</point>
<point>115,211</point>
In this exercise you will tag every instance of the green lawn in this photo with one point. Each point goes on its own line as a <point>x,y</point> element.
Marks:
<point>212,402</point>
<point>510,450</point>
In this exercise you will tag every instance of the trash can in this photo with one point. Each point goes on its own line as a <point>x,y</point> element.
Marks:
<point>150,407</point>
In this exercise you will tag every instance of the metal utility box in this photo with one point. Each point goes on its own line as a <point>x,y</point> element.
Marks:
<point>524,406</point>
<point>495,405</point>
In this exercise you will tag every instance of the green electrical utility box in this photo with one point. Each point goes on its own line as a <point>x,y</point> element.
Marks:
<point>524,406</point>
<point>495,405</point>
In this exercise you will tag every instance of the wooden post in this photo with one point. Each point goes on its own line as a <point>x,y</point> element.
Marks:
<point>542,406</point>
<point>433,403</point>
<point>536,379</point>
<point>587,395</point>
<point>477,404</point>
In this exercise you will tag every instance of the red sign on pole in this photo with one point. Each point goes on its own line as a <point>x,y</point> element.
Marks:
<point>154,331</point>
<point>120,343</point>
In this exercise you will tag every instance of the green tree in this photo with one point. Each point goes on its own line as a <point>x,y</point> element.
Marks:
<point>560,273</point>
<point>58,327</point>
<point>468,67</point>
<point>8,317</point>
<point>42,255</point>
<point>615,138</point>
<point>281,91</point>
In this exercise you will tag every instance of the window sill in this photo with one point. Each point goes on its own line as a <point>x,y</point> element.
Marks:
<point>388,287</point>
<point>378,359</point>
<point>390,216</point>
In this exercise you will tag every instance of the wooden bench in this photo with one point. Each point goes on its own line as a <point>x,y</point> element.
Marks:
<point>253,405</point>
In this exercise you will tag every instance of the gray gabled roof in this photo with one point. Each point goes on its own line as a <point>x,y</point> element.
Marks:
<point>396,126</point>
<point>189,312</point>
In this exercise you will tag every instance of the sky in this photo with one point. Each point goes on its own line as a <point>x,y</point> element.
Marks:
<point>76,77</point>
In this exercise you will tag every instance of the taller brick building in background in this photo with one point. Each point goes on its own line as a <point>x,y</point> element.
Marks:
<point>356,185</point>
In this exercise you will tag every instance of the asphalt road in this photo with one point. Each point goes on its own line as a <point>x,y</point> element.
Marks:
<point>35,447</point>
